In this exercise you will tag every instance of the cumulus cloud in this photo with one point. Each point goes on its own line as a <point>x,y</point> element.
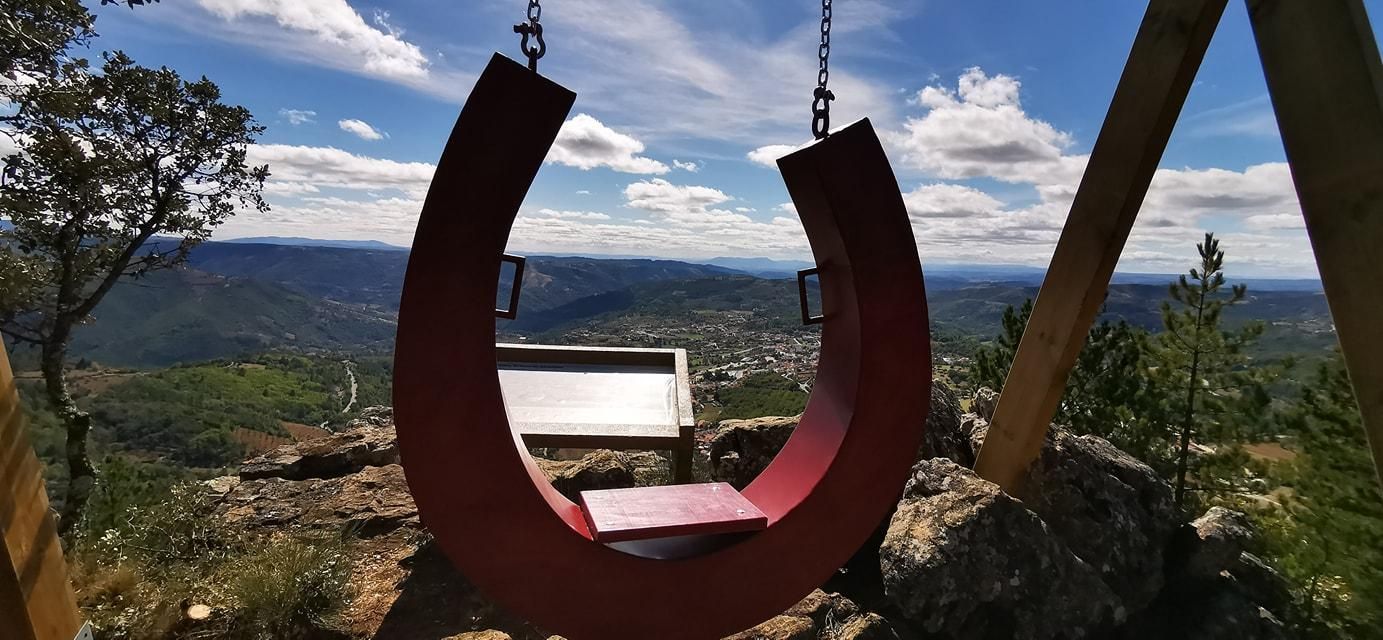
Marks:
<point>979,129</point>
<point>333,28</point>
<point>296,117</point>
<point>689,166</point>
<point>361,129</point>
<point>335,168</point>
<point>585,143</point>
<point>768,155</point>
<point>681,221</point>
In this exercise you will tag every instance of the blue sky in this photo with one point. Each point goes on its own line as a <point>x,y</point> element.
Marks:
<point>987,110</point>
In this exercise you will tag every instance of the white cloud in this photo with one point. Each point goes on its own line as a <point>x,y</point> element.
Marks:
<point>726,84</point>
<point>296,117</point>
<point>324,167</point>
<point>333,28</point>
<point>361,129</point>
<point>980,130</point>
<point>585,143</point>
<point>659,195</point>
<point>683,221</point>
<point>572,215</point>
<point>768,155</point>
<point>689,166</point>
<point>583,192</point>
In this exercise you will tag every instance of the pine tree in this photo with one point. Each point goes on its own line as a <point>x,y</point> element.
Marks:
<point>1201,363</point>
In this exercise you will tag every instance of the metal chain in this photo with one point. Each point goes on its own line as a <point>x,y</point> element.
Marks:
<point>535,30</point>
<point>822,97</point>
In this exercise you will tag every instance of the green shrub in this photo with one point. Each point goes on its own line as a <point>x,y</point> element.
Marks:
<point>288,586</point>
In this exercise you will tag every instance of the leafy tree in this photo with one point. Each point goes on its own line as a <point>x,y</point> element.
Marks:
<point>1199,361</point>
<point>121,174</point>
<point>35,36</point>
<point>1326,538</point>
<point>1108,393</point>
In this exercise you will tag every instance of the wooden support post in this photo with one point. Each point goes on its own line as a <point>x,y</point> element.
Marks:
<point>1166,54</point>
<point>1326,83</point>
<point>36,600</point>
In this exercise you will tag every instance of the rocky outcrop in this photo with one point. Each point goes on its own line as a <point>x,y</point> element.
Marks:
<point>944,437</point>
<point>1088,551</point>
<point>742,449</point>
<point>984,403</point>
<point>370,502</point>
<point>601,469</point>
<point>1221,537</point>
<point>824,616</point>
<point>339,454</point>
<point>962,559</point>
<point>1111,510</point>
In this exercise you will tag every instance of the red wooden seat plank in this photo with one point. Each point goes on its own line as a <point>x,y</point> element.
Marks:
<point>621,515</point>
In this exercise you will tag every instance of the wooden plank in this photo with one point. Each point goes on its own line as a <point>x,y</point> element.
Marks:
<point>1326,82</point>
<point>643,513</point>
<point>1166,54</point>
<point>36,599</point>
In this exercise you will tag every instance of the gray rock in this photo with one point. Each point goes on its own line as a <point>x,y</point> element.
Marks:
<point>821,616</point>
<point>377,416</point>
<point>962,559</point>
<point>944,437</point>
<point>984,402</point>
<point>1222,536</point>
<point>742,449</point>
<point>370,502</point>
<point>1207,610</point>
<point>1262,584</point>
<point>601,469</point>
<point>332,456</point>
<point>1110,509</point>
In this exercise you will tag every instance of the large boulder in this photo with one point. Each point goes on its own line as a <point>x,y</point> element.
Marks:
<point>333,456</point>
<point>1110,509</point>
<point>962,559</point>
<point>600,469</point>
<point>742,449</point>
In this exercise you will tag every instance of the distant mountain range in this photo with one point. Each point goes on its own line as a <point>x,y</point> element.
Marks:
<point>311,242</point>
<point>237,298</point>
<point>945,275</point>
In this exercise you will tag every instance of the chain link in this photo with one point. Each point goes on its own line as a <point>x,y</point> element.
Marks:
<point>534,30</point>
<point>822,97</point>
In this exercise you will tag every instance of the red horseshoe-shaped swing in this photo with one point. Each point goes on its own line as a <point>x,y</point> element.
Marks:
<point>491,509</point>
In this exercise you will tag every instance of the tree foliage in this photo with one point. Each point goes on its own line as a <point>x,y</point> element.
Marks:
<point>1326,538</point>
<point>1107,394</point>
<point>121,173</point>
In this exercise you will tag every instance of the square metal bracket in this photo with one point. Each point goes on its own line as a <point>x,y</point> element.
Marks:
<point>513,310</point>
<point>807,317</point>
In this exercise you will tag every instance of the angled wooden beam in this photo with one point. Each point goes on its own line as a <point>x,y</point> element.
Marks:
<point>1166,54</point>
<point>1326,83</point>
<point>36,600</point>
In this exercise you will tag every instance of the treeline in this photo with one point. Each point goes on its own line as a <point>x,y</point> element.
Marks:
<point>1189,400</point>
